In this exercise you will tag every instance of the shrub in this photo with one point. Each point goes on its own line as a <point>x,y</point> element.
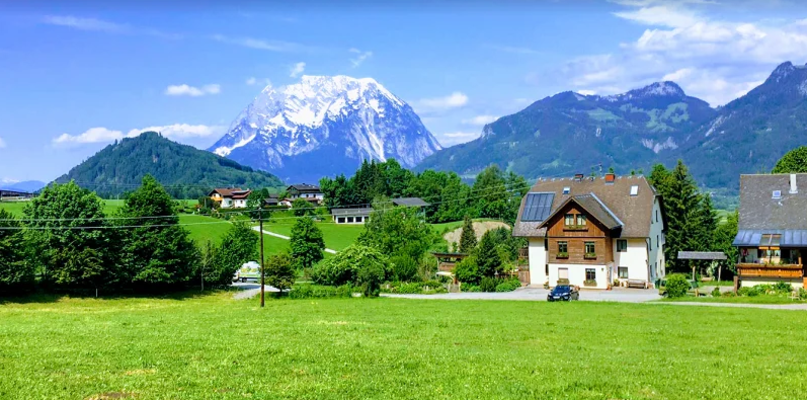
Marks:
<point>309,291</point>
<point>802,294</point>
<point>343,268</point>
<point>716,292</point>
<point>677,286</point>
<point>727,294</point>
<point>508,285</point>
<point>488,284</point>
<point>744,291</point>
<point>783,287</point>
<point>404,268</point>
<point>467,271</point>
<point>369,276</point>
<point>428,267</point>
<point>471,288</point>
<point>419,288</point>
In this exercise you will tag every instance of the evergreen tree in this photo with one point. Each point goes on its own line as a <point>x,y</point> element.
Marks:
<point>723,239</point>
<point>158,253</point>
<point>682,204</point>
<point>16,274</point>
<point>238,246</point>
<point>468,236</point>
<point>306,243</point>
<point>487,256</point>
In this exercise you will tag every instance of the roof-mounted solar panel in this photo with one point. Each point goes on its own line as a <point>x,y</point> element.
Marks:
<point>537,207</point>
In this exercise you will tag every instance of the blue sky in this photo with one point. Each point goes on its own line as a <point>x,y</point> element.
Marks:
<point>78,75</point>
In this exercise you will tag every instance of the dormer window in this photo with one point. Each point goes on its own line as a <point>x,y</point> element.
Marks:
<point>634,190</point>
<point>566,190</point>
<point>776,195</point>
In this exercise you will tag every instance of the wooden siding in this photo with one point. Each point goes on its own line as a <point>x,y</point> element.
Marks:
<point>595,232</point>
<point>790,271</point>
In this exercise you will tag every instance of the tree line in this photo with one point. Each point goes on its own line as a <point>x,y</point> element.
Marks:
<point>494,193</point>
<point>65,242</point>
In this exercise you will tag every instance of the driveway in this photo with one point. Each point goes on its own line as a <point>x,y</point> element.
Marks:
<point>248,290</point>
<point>539,294</point>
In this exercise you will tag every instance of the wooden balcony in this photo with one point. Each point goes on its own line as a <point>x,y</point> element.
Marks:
<point>786,271</point>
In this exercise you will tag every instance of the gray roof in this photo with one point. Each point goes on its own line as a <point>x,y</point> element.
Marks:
<point>410,202</point>
<point>304,187</point>
<point>761,213</point>
<point>351,212</point>
<point>633,212</point>
<point>701,255</point>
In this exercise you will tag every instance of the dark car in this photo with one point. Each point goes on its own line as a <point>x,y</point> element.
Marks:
<point>563,293</point>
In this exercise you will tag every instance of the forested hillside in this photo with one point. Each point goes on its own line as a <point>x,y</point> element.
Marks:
<point>185,171</point>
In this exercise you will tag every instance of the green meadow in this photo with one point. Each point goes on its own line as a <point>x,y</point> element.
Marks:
<point>213,347</point>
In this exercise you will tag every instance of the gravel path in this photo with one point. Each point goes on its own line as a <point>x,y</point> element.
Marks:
<point>277,235</point>
<point>249,290</point>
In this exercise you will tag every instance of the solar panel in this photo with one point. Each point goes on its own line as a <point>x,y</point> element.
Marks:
<point>538,206</point>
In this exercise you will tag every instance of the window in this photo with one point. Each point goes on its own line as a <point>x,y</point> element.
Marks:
<point>656,215</point>
<point>590,248</point>
<point>566,190</point>
<point>581,220</point>
<point>340,220</point>
<point>591,274</point>
<point>622,272</point>
<point>777,194</point>
<point>563,273</point>
<point>358,219</point>
<point>657,240</point>
<point>563,249</point>
<point>546,269</point>
<point>349,220</point>
<point>634,190</point>
<point>621,245</point>
<point>569,221</point>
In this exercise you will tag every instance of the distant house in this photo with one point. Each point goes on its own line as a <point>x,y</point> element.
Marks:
<point>357,215</point>
<point>410,202</point>
<point>272,201</point>
<point>8,195</point>
<point>230,197</point>
<point>305,191</point>
<point>772,230</point>
<point>590,231</point>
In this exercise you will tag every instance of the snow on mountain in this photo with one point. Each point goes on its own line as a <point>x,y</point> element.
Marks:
<point>669,89</point>
<point>324,126</point>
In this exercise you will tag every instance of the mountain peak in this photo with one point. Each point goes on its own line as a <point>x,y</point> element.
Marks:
<point>784,70</point>
<point>656,89</point>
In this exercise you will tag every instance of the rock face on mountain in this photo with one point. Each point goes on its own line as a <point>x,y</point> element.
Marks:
<point>570,133</point>
<point>324,126</point>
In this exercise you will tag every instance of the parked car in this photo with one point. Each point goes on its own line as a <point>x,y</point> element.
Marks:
<point>694,288</point>
<point>563,293</point>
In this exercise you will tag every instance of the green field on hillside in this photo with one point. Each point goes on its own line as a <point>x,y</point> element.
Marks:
<point>337,237</point>
<point>110,206</point>
<point>203,229</point>
<point>212,347</point>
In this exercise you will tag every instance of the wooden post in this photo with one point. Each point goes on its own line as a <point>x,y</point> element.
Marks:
<point>736,283</point>
<point>263,274</point>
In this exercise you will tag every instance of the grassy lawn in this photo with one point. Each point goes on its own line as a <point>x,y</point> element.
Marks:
<point>212,347</point>
<point>110,206</point>
<point>213,229</point>
<point>337,237</point>
<point>767,299</point>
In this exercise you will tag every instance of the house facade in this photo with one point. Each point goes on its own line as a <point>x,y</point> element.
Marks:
<point>772,229</point>
<point>230,197</point>
<point>356,215</point>
<point>589,232</point>
<point>305,191</point>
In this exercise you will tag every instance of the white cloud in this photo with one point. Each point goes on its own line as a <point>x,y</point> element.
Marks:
<point>186,90</point>
<point>715,60</point>
<point>480,120</point>
<point>297,69</point>
<point>98,25</point>
<point>360,57</point>
<point>105,135</point>
<point>437,104</point>
<point>452,138</point>
<point>261,44</point>
<point>586,92</point>
<point>2,144</point>
<point>251,81</point>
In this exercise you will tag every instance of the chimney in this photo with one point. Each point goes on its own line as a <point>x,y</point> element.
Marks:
<point>610,178</point>
<point>793,187</point>
<point>578,177</point>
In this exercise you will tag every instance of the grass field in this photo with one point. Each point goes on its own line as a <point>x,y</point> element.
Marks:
<point>211,347</point>
<point>110,206</point>
<point>762,299</point>
<point>337,237</point>
<point>203,229</point>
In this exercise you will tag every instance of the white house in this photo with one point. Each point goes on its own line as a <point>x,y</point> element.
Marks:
<point>230,198</point>
<point>311,193</point>
<point>590,232</point>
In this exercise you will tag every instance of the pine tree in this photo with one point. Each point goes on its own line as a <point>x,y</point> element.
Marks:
<point>487,256</point>
<point>682,204</point>
<point>468,236</point>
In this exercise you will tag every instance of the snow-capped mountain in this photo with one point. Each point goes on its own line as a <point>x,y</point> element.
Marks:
<point>324,126</point>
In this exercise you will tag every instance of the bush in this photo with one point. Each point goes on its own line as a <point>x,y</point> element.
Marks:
<point>716,292</point>
<point>309,291</point>
<point>802,294</point>
<point>783,287</point>
<point>467,271</point>
<point>743,291</point>
<point>488,284</point>
<point>727,294</point>
<point>418,288</point>
<point>404,268</point>
<point>471,288</point>
<point>677,286</point>
<point>508,285</point>
<point>370,276</point>
<point>343,268</point>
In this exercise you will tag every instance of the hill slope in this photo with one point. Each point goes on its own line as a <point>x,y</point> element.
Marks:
<point>324,126</point>
<point>569,133</point>
<point>186,171</point>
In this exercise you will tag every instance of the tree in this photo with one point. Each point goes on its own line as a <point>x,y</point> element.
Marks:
<point>468,236</point>
<point>280,272</point>
<point>343,267</point>
<point>208,262</point>
<point>682,204</point>
<point>793,162</point>
<point>487,256</point>
<point>16,273</point>
<point>158,253</point>
<point>238,246</point>
<point>302,207</point>
<point>397,231</point>
<point>723,239</point>
<point>701,227</point>
<point>306,243</point>
<point>467,270</point>
<point>66,224</point>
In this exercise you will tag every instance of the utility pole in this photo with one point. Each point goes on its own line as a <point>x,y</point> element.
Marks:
<point>263,274</point>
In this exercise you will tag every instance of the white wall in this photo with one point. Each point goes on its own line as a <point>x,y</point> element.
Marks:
<point>226,203</point>
<point>635,258</point>
<point>240,203</point>
<point>537,256</point>
<point>577,275</point>
<point>656,256</point>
